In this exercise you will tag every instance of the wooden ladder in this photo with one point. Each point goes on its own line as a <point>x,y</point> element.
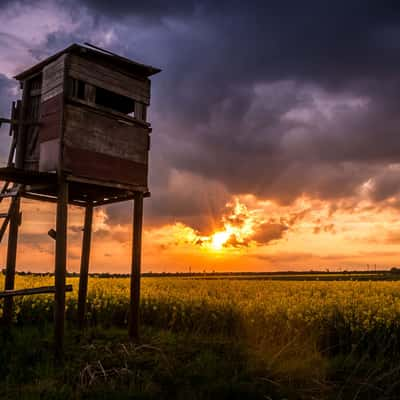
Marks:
<point>7,191</point>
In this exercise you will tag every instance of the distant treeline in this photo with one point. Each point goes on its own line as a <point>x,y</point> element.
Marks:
<point>394,270</point>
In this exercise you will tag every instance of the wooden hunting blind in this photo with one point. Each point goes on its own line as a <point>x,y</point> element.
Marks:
<point>80,135</point>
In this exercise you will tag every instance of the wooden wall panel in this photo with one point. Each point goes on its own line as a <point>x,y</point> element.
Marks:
<point>51,118</point>
<point>107,78</point>
<point>103,167</point>
<point>53,78</point>
<point>31,132</point>
<point>93,131</point>
<point>49,155</point>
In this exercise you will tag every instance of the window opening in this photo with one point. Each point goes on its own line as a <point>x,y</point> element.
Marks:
<point>80,93</point>
<point>114,101</point>
<point>78,89</point>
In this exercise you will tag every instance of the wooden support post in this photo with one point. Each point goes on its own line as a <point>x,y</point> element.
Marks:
<point>60,268</point>
<point>11,258</point>
<point>84,271</point>
<point>133,328</point>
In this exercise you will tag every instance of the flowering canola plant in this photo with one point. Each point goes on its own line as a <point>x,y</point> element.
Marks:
<point>220,305</point>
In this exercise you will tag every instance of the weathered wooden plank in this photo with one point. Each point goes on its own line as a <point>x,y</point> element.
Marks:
<point>119,198</point>
<point>35,92</point>
<point>49,155</point>
<point>106,78</point>
<point>51,119</point>
<point>104,188</point>
<point>54,81</point>
<point>103,167</point>
<point>95,132</point>
<point>31,151</point>
<point>109,112</point>
<point>90,93</point>
<point>53,78</point>
<point>52,106</point>
<point>50,128</point>
<point>140,84</point>
<point>140,111</point>
<point>105,83</point>
<point>53,67</point>
<point>32,291</point>
<point>57,90</point>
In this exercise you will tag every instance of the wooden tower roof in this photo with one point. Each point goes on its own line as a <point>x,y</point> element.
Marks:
<point>98,55</point>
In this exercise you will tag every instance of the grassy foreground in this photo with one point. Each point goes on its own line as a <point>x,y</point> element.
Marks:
<point>220,339</point>
<point>105,365</point>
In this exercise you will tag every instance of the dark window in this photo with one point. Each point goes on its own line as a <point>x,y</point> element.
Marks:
<point>78,89</point>
<point>80,93</point>
<point>115,101</point>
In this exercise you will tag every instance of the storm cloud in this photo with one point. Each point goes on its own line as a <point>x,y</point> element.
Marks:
<point>278,99</point>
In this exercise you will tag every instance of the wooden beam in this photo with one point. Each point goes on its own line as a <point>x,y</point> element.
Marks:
<point>118,199</point>
<point>50,199</point>
<point>60,268</point>
<point>27,292</point>
<point>84,271</point>
<point>133,327</point>
<point>110,184</point>
<point>17,122</point>
<point>40,187</point>
<point>20,175</point>
<point>39,197</point>
<point>114,199</point>
<point>11,258</point>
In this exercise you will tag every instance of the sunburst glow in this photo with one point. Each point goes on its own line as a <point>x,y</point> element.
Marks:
<point>239,226</point>
<point>218,239</point>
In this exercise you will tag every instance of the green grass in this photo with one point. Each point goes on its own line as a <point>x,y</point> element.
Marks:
<point>104,364</point>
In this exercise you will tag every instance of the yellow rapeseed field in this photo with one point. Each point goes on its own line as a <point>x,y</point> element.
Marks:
<point>225,305</point>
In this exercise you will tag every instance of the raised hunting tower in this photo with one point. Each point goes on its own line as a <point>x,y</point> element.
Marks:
<point>80,135</point>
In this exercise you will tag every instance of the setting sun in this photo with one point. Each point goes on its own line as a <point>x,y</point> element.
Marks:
<point>218,239</point>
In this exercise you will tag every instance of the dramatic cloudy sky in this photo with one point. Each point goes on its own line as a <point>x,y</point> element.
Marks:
<point>276,130</point>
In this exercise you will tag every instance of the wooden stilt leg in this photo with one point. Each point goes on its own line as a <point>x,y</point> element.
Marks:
<point>133,328</point>
<point>84,271</point>
<point>11,259</point>
<point>60,268</point>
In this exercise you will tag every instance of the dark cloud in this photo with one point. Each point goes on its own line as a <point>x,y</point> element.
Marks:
<point>268,232</point>
<point>278,99</point>
<point>337,42</point>
<point>149,9</point>
<point>231,98</point>
<point>386,184</point>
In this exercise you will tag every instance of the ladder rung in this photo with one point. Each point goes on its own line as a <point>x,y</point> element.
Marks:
<point>4,215</point>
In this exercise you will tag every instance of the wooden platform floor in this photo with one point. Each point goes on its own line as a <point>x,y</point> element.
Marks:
<point>42,186</point>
